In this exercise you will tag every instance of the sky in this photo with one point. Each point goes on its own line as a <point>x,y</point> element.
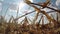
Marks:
<point>10,7</point>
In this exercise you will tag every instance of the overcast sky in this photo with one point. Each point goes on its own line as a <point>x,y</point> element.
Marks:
<point>10,7</point>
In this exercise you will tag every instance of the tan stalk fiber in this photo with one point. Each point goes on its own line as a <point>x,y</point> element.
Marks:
<point>46,3</point>
<point>38,10</point>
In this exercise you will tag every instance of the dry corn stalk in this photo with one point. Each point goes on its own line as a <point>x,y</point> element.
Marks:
<point>45,3</point>
<point>39,11</point>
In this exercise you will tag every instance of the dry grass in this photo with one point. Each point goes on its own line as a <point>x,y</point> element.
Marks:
<point>14,28</point>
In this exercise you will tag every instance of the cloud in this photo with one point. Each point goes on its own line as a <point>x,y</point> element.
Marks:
<point>27,11</point>
<point>21,5</point>
<point>31,0</point>
<point>12,10</point>
<point>0,3</point>
<point>58,4</point>
<point>13,7</point>
<point>0,6</point>
<point>1,0</point>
